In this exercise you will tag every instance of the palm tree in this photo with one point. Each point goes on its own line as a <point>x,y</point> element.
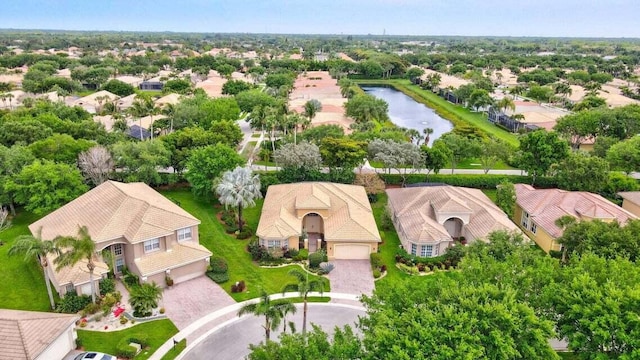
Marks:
<point>563,89</point>
<point>169,111</point>
<point>240,188</point>
<point>77,249</point>
<point>144,298</point>
<point>34,246</point>
<point>304,287</point>
<point>427,135</point>
<point>9,96</point>
<point>517,90</point>
<point>138,110</point>
<point>311,108</point>
<point>506,103</point>
<point>284,309</point>
<point>270,310</point>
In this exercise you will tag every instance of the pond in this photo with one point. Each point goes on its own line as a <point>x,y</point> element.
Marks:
<point>408,113</point>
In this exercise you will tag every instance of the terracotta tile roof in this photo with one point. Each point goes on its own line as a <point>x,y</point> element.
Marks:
<point>181,254</point>
<point>417,210</point>
<point>632,196</point>
<point>546,205</point>
<point>350,217</point>
<point>91,99</point>
<point>113,210</point>
<point>26,334</point>
<point>78,274</point>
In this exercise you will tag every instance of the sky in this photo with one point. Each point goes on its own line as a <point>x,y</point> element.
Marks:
<point>552,18</point>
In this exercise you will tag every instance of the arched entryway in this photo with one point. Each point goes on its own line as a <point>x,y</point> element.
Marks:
<point>313,227</point>
<point>113,256</point>
<point>454,227</point>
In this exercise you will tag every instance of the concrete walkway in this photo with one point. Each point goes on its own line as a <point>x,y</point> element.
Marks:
<point>218,317</point>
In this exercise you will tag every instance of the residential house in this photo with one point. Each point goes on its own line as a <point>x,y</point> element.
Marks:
<point>430,219</point>
<point>319,215</point>
<point>144,231</point>
<point>538,209</point>
<point>95,102</point>
<point>631,202</point>
<point>33,335</point>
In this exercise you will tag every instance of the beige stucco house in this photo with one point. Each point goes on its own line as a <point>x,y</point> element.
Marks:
<point>538,209</point>
<point>33,335</point>
<point>631,202</point>
<point>319,215</point>
<point>144,232</point>
<point>429,219</point>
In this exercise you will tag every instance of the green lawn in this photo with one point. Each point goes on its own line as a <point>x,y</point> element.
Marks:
<point>176,350</point>
<point>248,150</point>
<point>213,236</point>
<point>158,331</point>
<point>491,194</point>
<point>255,135</point>
<point>23,286</point>
<point>454,113</point>
<point>475,164</point>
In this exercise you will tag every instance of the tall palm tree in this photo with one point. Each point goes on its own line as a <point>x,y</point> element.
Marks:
<point>34,246</point>
<point>10,96</point>
<point>427,135</point>
<point>76,249</point>
<point>271,310</point>
<point>304,287</point>
<point>240,188</point>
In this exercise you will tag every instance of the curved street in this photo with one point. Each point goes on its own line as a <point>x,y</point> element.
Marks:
<point>231,340</point>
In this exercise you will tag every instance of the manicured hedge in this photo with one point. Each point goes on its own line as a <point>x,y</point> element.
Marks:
<point>478,181</point>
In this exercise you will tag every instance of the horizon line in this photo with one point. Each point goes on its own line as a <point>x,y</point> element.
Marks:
<point>319,34</point>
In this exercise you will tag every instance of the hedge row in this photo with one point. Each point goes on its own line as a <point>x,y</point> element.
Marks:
<point>478,181</point>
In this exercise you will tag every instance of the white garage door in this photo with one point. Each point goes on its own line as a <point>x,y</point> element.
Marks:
<point>352,251</point>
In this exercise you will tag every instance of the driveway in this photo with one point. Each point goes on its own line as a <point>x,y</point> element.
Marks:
<point>188,301</point>
<point>352,277</point>
<point>232,341</point>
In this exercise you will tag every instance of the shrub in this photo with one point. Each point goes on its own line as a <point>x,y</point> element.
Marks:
<point>218,265</point>
<point>168,280</point>
<point>123,319</point>
<point>109,300</point>
<point>218,278</point>
<point>291,253</point>
<point>385,221</point>
<point>238,287</point>
<point>327,267</point>
<point>257,251</point>
<point>376,260</point>
<point>91,308</point>
<point>107,286</point>
<point>315,259</point>
<point>304,254</point>
<point>376,273</point>
<point>161,310</point>
<point>244,234</point>
<point>130,279</point>
<point>485,181</point>
<point>124,350</point>
<point>383,268</point>
<point>72,303</point>
<point>272,261</point>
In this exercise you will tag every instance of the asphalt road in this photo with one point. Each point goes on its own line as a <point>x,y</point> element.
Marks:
<point>232,341</point>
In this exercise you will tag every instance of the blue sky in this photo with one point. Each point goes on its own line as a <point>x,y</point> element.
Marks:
<point>581,18</point>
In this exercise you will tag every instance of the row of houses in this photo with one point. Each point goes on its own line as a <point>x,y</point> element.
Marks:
<point>154,238</point>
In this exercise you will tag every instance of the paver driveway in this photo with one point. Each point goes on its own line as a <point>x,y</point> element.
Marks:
<point>352,277</point>
<point>188,301</point>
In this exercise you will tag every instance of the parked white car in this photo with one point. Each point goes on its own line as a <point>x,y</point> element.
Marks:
<point>94,356</point>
